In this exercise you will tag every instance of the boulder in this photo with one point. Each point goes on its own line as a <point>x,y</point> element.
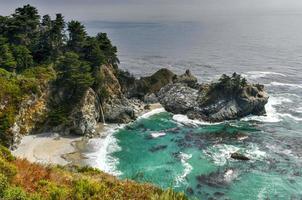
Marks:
<point>119,111</point>
<point>187,78</point>
<point>178,98</point>
<point>239,156</point>
<point>230,98</point>
<point>150,84</point>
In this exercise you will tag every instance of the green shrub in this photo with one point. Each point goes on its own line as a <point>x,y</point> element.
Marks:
<point>15,193</point>
<point>53,191</point>
<point>85,189</point>
<point>89,170</point>
<point>57,193</point>
<point>3,184</point>
<point>7,169</point>
<point>6,154</point>
<point>169,195</point>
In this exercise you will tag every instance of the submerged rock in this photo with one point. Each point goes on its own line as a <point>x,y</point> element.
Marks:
<point>158,148</point>
<point>230,98</point>
<point>218,178</point>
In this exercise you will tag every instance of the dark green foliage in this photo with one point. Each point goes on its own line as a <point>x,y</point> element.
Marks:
<point>26,42</point>
<point>92,53</point>
<point>109,50</point>
<point>74,73</point>
<point>22,57</point>
<point>58,115</point>
<point>77,36</point>
<point>231,84</point>
<point>7,60</point>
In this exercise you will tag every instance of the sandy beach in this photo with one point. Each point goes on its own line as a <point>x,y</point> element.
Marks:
<point>46,148</point>
<point>52,148</point>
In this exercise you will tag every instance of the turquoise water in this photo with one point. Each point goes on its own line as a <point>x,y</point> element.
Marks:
<point>196,158</point>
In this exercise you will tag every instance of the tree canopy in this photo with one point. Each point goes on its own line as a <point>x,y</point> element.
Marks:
<point>28,40</point>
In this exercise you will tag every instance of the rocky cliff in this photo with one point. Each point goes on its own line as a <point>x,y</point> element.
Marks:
<point>229,98</point>
<point>119,97</point>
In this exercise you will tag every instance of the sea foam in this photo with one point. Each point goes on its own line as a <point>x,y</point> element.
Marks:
<point>184,120</point>
<point>271,113</point>
<point>221,153</point>
<point>101,150</point>
<point>187,169</point>
<point>261,74</point>
<point>291,85</point>
<point>152,112</point>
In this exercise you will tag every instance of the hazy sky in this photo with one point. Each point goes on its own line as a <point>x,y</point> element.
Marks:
<point>153,10</point>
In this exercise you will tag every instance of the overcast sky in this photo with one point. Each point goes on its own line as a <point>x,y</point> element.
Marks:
<point>153,10</point>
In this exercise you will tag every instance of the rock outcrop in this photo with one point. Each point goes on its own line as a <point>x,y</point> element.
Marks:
<point>145,86</point>
<point>85,116</point>
<point>117,108</point>
<point>31,115</point>
<point>230,98</point>
<point>239,156</point>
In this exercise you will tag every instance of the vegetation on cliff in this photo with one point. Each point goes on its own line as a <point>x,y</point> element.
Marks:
<point>21,180</point>
<point>35,50</point>
<point>15,88</point>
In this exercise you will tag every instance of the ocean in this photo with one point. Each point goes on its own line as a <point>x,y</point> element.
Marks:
<point>193,156</point>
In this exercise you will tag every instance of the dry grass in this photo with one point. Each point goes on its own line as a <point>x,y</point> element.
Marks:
<point>37,182</point>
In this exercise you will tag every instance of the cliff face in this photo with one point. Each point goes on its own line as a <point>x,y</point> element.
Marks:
<point>86,114</point>
<point>31,115</point>
<point>118,99</point>
<point>231,98</point>
<point>23,102</point>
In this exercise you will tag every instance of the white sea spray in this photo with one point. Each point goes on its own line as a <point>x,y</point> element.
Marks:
<point>180,179</point>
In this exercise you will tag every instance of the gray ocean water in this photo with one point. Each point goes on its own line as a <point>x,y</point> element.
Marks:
<point>266,49</point>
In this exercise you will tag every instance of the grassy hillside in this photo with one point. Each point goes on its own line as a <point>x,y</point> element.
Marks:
<point>22,180</point>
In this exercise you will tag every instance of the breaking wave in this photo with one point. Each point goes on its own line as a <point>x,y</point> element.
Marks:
<point>271,112</point>
<point>101,150</point>
<point>184,120</point>
<point>292,85</point>
<point>261,74</point>
<point>187,168</point>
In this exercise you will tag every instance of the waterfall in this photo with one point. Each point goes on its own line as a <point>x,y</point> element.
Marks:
<point>103,118</point>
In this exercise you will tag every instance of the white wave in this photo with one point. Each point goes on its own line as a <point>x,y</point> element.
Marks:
<point>158,134</point>
<point>262,194</point>
<point>187,168</point>
<point>230,175</point>
<point>254,153</point>
<point>261,74</point>
<point>183,119</point>
<point>221,153</point>
<point>152,112</point>
<point>291,116</point>
<point>101,150</point>
<point>285,84</point>
<point>271,113</point>
<point>299,110</point>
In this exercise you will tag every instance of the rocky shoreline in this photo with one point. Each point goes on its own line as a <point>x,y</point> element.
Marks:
<point>122,98</point>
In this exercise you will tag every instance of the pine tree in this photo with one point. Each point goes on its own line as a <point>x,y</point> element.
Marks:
<point>77,36</point>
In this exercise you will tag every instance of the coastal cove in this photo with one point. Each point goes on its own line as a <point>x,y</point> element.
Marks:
<point>177,110</point>
<point>195,156</point>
